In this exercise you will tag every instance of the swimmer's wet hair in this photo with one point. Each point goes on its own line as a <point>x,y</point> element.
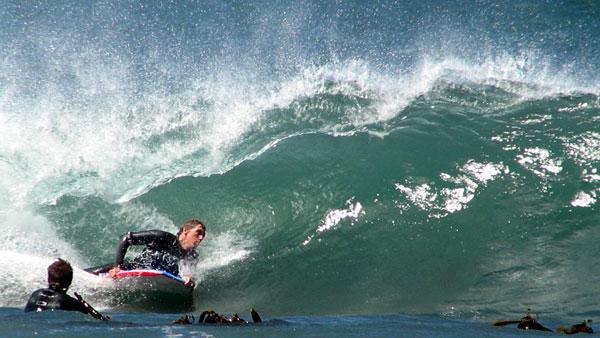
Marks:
<point>190,224</point>
<point>60,273</point>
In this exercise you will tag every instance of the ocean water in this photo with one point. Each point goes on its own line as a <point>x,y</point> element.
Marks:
<point>409,168</point>
<point>154,325</point>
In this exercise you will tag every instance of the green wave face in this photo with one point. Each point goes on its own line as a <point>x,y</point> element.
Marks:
<point>346,159</point>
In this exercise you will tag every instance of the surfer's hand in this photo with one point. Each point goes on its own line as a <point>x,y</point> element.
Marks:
<point>188,281</point>
<point>112,273</point>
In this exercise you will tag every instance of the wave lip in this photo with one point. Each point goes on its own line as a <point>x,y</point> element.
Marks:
<point>123,146</point>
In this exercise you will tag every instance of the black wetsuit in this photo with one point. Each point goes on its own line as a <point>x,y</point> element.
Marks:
<point>53,298</point>
<point>530,323</point>
<point>162,251</point>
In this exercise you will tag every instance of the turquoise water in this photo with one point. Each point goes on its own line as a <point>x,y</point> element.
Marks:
<point>154,325</point>
<point>355,163</point>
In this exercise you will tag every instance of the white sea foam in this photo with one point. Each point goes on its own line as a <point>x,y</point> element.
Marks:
<point>22,274</point>
<point>540,162</point>
<point>421,195</point>
<point>37,234</point>
<point>440,202</point>
<point>97,137</point>
<point>536,119</point>
<point>26,271</point>
<point>219,251</point>
<point>139,217</point>
<point>335,216</point>
<point>121,146</point>
<point>583,199</point>
<point>584,149</point>
<point>581,106</point>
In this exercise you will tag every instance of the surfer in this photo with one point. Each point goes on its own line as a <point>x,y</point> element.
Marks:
<point>585,327</point>
<point>55,297</point>
<point>162,250</point>
<point>527,322</point>
<point>211,317</point>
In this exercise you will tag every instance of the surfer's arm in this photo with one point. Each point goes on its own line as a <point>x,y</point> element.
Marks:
<point>150,237</point>
<point>71,304</point>
<point>122,249</point>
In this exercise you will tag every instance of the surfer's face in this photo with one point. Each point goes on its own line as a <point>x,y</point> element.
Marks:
<point>189,239</point>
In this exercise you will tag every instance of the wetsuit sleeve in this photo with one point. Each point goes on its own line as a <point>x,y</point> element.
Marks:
<point>149,238</point>
<point>72,304</point>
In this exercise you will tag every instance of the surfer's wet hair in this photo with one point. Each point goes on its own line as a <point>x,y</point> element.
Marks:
<point>60,273</point>
<point>190,224</point>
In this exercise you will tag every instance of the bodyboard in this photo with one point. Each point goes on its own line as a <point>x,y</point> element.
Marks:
<point>146,290</point>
